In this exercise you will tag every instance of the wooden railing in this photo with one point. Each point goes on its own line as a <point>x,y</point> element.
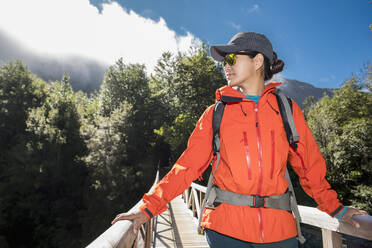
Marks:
<point>121,234</point>
<point>331,227</point>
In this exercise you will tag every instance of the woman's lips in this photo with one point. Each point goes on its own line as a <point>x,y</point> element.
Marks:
<point>229,75</point>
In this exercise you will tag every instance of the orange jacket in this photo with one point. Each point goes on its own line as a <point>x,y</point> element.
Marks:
<point>254,153</point>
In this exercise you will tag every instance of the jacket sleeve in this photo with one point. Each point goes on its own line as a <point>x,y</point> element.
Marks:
<point>191,164</point>
<point>309,164</point>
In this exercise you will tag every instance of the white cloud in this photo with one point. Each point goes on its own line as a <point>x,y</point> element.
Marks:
<point>75,27</point>
<point>235,26</point>
<point>254,8</point>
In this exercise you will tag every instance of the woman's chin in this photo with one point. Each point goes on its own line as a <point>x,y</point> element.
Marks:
<point>231,83</point>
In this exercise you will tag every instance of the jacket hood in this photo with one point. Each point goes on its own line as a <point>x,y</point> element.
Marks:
<point>228,94</point>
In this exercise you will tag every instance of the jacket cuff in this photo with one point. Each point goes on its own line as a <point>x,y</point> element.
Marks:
<point>341,213</point>
<point>146,211</point>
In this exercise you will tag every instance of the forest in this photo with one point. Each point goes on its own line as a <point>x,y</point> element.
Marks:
<point>70,161</point>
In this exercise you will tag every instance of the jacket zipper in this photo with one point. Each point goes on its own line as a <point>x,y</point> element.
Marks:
<point>272,153</point>
<point>260,179</point>
<point>261,225</point>
<point>247,158</point>
<point>259,153</point>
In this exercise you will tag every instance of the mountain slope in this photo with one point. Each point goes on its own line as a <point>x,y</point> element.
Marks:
<point>85,74</point>
<point>299,91</point>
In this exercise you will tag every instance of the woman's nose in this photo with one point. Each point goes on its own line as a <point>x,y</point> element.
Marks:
<point>227,67</point>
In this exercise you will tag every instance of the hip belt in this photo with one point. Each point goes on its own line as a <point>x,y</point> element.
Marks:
<point>218,196</point>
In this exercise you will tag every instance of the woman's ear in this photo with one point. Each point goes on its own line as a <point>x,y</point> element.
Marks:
<point>258,61</point>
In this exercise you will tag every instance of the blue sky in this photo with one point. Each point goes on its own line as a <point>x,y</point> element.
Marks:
<point>321,42</point>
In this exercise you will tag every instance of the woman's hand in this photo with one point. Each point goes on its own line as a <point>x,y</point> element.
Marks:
<point>349,214</point>
<point>137,217</point>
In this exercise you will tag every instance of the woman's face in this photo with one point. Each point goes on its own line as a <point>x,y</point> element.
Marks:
<point>243,71</point>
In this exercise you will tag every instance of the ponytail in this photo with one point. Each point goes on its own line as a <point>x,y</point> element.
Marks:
<point>271,69</point>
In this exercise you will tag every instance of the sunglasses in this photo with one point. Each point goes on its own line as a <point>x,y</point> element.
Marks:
<point>231,58</point>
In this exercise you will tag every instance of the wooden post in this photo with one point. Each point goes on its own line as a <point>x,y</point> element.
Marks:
<point>190,201</point>
<point>331,239</point>
<point>193,206</point>
<point>186,193</point>
<point>154,221</point>
<point>201,198</point>
<point>148,235</point>
<point>201,206</point>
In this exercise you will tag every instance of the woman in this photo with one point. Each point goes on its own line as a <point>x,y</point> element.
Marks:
<point>254,154</point>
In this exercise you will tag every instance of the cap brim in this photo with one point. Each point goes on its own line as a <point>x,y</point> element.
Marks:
<point>218,52</point>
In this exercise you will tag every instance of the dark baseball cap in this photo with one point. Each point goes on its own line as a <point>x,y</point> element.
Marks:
<point>244,41</point>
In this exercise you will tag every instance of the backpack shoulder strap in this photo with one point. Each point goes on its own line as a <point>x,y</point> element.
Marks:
<point>219,108</point>
<point>286,112</point>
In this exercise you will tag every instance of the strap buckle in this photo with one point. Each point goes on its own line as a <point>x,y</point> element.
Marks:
<point>258,201</point>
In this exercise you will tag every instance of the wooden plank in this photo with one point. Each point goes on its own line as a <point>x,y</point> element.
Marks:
<point>148,234</point>
<point>186,226</point>
<point>182,228</point>
<point>197,204</point>
<point>315,217</point>
<point>199,187</point>
<point>331,239</point>
<point>186,196</point>
<point>163,231</point>
<point>190,200</point>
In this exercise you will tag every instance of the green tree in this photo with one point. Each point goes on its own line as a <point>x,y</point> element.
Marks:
<point>125,90</point>
<point>342,128</point>
<point>20,91</point>
<point>62,179</point>
<point>114,185</point>
<point>127,86</point>
<point>187,86</point>
<point>123,82</point>
<point>121,143</point>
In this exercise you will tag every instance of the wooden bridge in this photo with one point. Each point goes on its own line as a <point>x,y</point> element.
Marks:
<point>177,227</point>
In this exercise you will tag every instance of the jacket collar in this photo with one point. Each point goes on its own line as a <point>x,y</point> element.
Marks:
<point>228,94</point>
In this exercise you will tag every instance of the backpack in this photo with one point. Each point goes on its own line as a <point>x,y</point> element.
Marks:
<point>286,201</point>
